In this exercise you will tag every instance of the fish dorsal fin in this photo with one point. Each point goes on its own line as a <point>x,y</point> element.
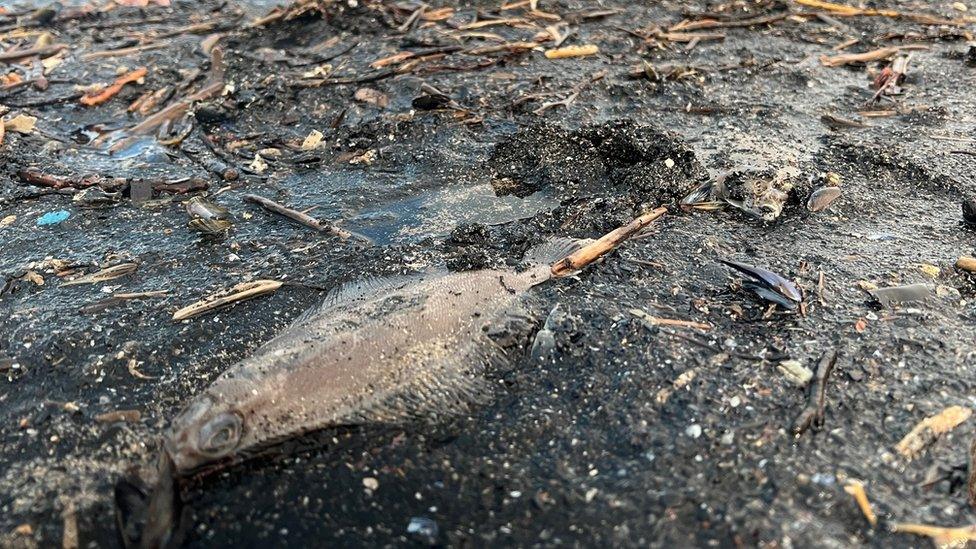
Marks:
<point>552,250</point>
<point>356,291</point>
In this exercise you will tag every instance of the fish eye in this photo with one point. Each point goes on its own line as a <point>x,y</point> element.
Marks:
<point>221,434</point>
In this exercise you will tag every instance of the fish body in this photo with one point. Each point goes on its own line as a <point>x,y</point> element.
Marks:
<point>374,352</point>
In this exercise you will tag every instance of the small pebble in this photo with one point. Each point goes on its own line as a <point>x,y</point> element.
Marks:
<point>969,211</point>
<point>693,430</point>
<point>423,529</point>
<point>371,483</point>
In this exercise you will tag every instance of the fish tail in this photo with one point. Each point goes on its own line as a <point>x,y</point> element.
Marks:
<point>552,250</point>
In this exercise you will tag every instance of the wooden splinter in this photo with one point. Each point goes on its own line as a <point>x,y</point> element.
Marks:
<point>607,243</point>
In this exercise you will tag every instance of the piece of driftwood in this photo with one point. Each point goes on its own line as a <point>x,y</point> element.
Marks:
<point>605,244</point>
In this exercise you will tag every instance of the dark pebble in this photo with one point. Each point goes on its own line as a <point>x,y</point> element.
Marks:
<point>969,211</point>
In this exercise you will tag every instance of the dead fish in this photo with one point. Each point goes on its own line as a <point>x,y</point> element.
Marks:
<point>769,285</point>
<point>902,294</point>
<point>373,352</point>
<point>821,198</point>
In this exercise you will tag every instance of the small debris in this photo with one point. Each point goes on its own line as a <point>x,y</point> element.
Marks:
<point>24,530</point>
<point>795,372</point>
<point>822,198</point>
<point>969,211</point>
<point>372,96</point>
<point>930,270</point>
<point>240,292</point>
<point>655,321</point>
<point>572,51</point>
<point>69,535</point>
<point>856,489</point>
<point>302,218</point>
<point>425,530</point>
<point>8,220</point>
<point>965,263</point>
<point>941,537</point>
<point>53,218</point>
<point>117,416</point>
<point>769,285</point>
<point>99,97</point>
<point>813,413</point>
<point>930,429</point>
<point>371,484</point>
<point>894,295</point>
<point>22,124</point>
<point>104,275</point>
<point>312,141</point>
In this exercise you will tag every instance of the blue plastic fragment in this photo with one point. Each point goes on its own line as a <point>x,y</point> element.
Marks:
<point>53,218</point>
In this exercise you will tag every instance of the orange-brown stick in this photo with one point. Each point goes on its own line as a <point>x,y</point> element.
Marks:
<point>109,92</point>
<point>593,251</point>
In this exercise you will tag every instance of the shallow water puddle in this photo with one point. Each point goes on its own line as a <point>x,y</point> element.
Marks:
<point>437,212</point>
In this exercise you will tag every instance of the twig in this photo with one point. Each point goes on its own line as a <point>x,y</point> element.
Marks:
<point>656,321</point>
<point>303,219</point>
<point>714,349</point>
<point>241,292</point>
<point>19,55</point>
<point>812,414</point>
<point>577,89</point>
<point>593,251</point>
<point>713,24</point>
<point>110,91</point>
<point>865,57</point>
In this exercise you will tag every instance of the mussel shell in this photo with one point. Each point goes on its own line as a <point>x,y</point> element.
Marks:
<point>768,279</point>
<point>820,199</point>
<point>770,295</point>
<point>202,208</point>
<point>709,196</point>
<point>215,227</point>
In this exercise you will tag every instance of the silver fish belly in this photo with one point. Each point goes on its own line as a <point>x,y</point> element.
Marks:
<point>379,352</point>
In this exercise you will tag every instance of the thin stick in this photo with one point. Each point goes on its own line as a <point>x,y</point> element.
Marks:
<point>303,219</point>
<point>19,55</point>
<point>657,321</point>
<point>593,251</point>
<point>241,292</point>
<point>813,413</point>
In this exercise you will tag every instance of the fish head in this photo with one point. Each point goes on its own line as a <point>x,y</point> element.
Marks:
<point>203,433</point>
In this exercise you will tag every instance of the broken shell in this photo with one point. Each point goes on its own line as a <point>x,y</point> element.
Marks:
<point>759,194</point>
<point>96,197</point>
<point>902,294</point>
<point>822,198</point>
<point>795,372</point>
